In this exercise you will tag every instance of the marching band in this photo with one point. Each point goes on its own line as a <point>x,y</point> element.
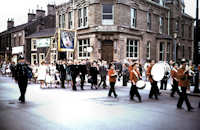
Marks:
<point>55,75</point>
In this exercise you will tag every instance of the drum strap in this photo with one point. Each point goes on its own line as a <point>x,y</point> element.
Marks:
<point>136,74</point>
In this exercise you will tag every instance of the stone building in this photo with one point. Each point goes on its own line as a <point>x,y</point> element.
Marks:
<point>128,29</point>
<point>13,41</point>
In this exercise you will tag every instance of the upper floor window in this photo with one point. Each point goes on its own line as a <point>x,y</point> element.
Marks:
<point>70,20</point>
<point>107,14</point>
<point>183,31</point>
<point>62,21</point>
<point>161,25</point>
<point>162,51</point>
<point>83,17</point>
<point>190,31</point>
<point>33,45</point>
<point>177,26</point>
<point>133,17</point>
<point>148,21</point>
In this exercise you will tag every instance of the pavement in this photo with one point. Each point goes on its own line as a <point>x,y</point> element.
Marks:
<point>64,109</point>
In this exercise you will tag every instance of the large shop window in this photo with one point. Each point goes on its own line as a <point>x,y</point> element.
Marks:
<point>107,14</point>
<point>162,51</point>
<point>132,49</point>
<point>83,48</point>
<point>133,18</point>
<point>148,50</point>
<point>83,17</point>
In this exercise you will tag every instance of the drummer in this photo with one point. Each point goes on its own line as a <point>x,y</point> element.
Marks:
<point>154,87</point>
<point>134,77</point>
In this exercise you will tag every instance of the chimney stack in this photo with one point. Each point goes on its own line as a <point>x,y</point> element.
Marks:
<point>31,16</point>
<point>40,13</point>
<point>10,23</point>
<point>51,9</point>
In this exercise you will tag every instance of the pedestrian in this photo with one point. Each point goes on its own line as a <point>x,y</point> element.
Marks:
<point>103,73</point>
<point>112,79</point>
<point>93,73</point>
<point>183,77</point>
<point>82,72</point>
<point>134,77</point>
<point>21,77</point>
<point>62,70</point>
<point>125,74</point>
<point>42,71</point>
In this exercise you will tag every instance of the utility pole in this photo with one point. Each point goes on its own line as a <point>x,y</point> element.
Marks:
<point>197,50</point>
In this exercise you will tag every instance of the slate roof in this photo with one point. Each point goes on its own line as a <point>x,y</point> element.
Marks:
<point>43,33</point>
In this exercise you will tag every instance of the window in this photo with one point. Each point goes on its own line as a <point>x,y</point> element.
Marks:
<point>133,18</point>
<point>41,57</point>
<point>148,50</point>
<point>107,14</point>
<point>182,27</point>
<point>70,55</point>
<point>190,52</point>
<point>33,45</point>
<point>83,17</point>
<point>183,51</point>
<point>132,49</point>
<point>82,48</point>
<point>70,20</point>
<point>34,58</point>
<point>190,31</point>
<point>168,51</point>
<point>62,21</point>
<point>53,45</point>
<point>148,21</point>
<point>177,26</point>
<point>162,2</point>
<point>162,51</point>
<point>161,27</point>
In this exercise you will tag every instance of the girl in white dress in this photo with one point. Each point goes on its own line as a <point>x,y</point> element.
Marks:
<point>42,70</point>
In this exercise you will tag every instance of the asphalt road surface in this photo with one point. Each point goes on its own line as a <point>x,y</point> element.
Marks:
<point>64,109</point>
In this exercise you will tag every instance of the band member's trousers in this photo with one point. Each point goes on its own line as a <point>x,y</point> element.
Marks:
<point>154,90</point>
<point>163,84</point>
<point>183,97</point>
<point>82,77</point>
<point>112,89</point>
<point>134,91</point>
<point>22,87</point>
<point>74,82</point>
<point>174,88</point>
<point>62,83</point>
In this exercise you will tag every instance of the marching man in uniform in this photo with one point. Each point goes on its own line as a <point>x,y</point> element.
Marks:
<point>134,77</point>
<point>183,77</point>
<point>175,79</point>
<point>154,87</point>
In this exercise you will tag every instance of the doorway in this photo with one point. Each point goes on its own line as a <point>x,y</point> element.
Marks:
<point>107,51</point>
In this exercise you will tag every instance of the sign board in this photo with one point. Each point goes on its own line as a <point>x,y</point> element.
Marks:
<point>18,50</point>
<point>66,40</point>
<point>43,42</point>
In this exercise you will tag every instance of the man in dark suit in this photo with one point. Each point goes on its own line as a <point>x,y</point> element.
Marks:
<point>74,70</point>
<point>62,69</point>
<point>21,77</point>
<point>103,73</point>
<point>83,71</point>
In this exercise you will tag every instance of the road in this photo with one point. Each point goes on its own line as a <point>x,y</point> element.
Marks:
<point>64,109</point>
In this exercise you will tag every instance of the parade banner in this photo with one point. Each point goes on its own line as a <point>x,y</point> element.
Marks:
<point>66,40</point>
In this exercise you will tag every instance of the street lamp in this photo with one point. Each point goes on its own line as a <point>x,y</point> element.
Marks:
<point>174,38</point>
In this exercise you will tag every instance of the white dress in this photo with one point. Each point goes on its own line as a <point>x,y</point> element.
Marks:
<point>42,70</point>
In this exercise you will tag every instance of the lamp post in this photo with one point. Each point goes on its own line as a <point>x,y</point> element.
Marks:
<point>174,50</point>
<point>196,47</point>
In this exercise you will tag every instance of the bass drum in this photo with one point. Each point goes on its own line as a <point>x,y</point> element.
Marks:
<point>159,70</point>
<point>141,84</point>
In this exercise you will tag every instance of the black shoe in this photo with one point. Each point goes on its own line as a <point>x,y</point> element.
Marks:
<point>109,96</point>
<point>116,96</point>
<point>190,108</point>
<point>82,88</point>
<point>179,107</point>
